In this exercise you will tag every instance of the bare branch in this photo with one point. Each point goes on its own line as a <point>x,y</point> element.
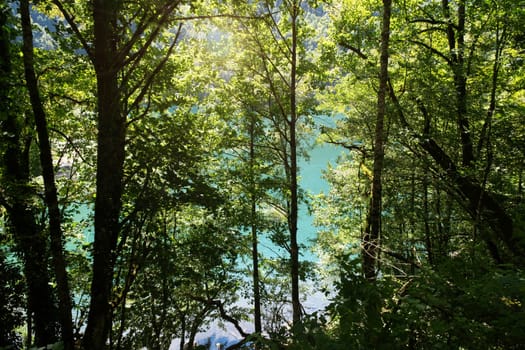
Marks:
<point>348,146</point>
<point>266,58</point>
<point>66,97</point>
<point>143,24</point>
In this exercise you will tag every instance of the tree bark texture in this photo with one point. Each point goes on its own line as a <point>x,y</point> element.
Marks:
<point>51,197</point>
<point>110,160</point>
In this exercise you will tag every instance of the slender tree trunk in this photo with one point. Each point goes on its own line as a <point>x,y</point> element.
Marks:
<point>373,228</point>
<point>256,279</point>
<point>371,239</point>
<point>429,244</point>
<point>484,138</point>
<point>110,159</point>
<point>17,196</point>
<point>371,236</point>
<point>51,197</point>
<point>294,207</point>
<point>182,319</point>
<point>456,43</point>
<point>255,253</point>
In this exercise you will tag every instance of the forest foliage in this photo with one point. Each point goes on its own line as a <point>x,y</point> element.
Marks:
<point>150,178</point>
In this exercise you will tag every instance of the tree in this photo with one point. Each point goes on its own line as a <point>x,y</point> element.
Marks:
<point>470,176</point>
<point>252,166</point>
<point>373,227</point>
<point>276,42</point>
<point>122,35</point>
<point>51,197</point>
<point>19,196</point>
<point>372,234</point>
<point>176,262</point>
<point>431,175</point>
<point>254,235</point>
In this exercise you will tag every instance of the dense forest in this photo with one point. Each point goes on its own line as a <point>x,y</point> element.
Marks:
<point>150,173</point>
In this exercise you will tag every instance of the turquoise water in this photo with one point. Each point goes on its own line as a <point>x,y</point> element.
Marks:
<point>312,182</point>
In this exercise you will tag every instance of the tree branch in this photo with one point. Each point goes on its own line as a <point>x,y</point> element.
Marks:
<point>348,146</point>
<point>476,197</point>
<point>123,52</point>
<point>276,26</point>
<point>353,49</point>
<point>224,315</point>
<point>70,141</point>
<point>70,19</point>
<point>430,21</point>
<point>435,51</point>
<point>226,15</point>
<point>149,79</point>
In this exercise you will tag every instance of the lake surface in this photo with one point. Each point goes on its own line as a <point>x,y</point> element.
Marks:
<point>312,182</point>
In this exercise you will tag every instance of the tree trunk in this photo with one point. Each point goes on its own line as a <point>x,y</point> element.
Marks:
<point>371,238</point>
<point>294,206</point>
<point>255,254</point>
<point>429,245</point>
<point>182,342</point>
<point>456,43</point>
<point>110,160</point>
<point>17,196</point>
<point>51,197</point>
<point>373,227</point>
<point>492,212</point>
<point>482,205</point>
